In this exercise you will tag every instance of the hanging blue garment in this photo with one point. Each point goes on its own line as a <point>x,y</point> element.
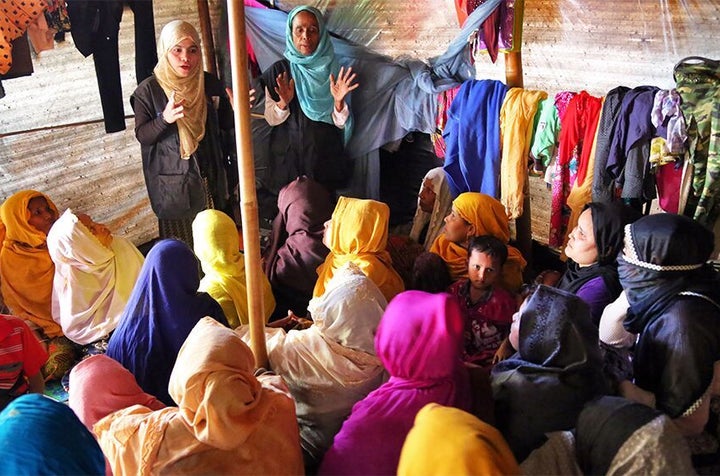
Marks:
<point>472,138</point>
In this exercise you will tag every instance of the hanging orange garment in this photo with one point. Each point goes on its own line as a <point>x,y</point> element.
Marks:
<point>26,270</point>
<point>359,233</point>
<point>516,129</point>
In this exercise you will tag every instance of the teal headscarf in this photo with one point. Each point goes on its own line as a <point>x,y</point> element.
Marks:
<point>41,436</point>
<point>312,73</point>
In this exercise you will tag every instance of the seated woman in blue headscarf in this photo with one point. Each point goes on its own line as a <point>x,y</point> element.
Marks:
<point>41,436</point>
<point>163,308</point>
<point>305,103</point>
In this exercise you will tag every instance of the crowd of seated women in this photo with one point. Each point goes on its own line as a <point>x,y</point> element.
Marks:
<point>609,367</point>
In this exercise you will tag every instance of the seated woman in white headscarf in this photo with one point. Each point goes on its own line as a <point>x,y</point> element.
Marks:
<point>95,272</point>
<point>434,204</point>
<point>331,365</point>
<point>227,421</point>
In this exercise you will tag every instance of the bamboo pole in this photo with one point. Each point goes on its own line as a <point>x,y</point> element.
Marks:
<point>208,45</point>
<point>246,169</point>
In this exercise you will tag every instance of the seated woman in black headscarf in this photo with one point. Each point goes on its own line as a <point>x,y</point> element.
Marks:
<point>556,370</point>
<point>615,436</point>
<point>592,248</point>
<point>674,297</point>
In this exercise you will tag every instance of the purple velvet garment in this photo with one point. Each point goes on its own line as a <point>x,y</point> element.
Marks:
<point>163,308</point>
<point>596,295</point>
<point>419,341</point>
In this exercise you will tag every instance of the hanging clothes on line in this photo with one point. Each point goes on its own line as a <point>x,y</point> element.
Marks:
<point>15,17</point>
<point>698,83</point>
<point>516,127</point>
<point>95,29</point>
<point>577,134</point>
<point>630,148</point>
<point>472,138</point>
<point>603,188</point>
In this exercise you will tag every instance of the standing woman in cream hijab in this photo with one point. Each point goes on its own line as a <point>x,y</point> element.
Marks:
<point>184,123</point>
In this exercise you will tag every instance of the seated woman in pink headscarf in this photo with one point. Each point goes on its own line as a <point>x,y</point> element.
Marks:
<point>419,341</point>
<point>226,422</point>
<point>100,386</point>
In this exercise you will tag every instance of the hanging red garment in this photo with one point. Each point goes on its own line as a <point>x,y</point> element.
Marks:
<point>577,132</point>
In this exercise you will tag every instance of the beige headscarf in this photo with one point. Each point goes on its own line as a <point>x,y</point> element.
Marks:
<point>226,421</point>
<point>435,221</point>
<point>191,128</point>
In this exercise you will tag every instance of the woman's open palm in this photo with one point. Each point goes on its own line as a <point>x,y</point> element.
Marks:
<point>344,84</point>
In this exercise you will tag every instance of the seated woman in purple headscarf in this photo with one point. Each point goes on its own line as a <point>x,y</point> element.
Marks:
<point>419,341</point>
<point>163,308</point>
<point>296,249</point>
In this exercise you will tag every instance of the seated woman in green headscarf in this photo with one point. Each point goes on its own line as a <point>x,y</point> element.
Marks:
<point>305,102</point>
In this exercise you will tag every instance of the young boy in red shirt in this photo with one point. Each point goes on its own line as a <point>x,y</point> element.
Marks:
<point>487,309</point>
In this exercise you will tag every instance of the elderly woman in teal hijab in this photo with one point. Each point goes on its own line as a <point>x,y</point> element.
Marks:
<point>305,102</point>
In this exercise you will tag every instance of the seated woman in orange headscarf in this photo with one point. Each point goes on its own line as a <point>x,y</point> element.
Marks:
<point>227,421</point>
<point>27,271</point>
<point>358,232</point>
<point>477,214</point>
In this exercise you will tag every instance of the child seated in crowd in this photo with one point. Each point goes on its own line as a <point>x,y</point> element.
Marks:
<point>21,359</point>
<point>487,309</point>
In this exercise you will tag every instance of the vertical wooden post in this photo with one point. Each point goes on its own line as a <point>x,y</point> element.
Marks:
<point>208,45</point>
<point>246,169</point>
<point>523,226</point>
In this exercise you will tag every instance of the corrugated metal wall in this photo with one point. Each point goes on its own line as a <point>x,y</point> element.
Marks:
<point>52,137</point>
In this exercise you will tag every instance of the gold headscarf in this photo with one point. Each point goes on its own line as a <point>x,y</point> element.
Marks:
<point>489,218</point>
<point>191,128</point>
<point>217,246</point>
<point>468,446</point>
<point>359,234</point>
<point>26,270</point>
<point>224,422</point>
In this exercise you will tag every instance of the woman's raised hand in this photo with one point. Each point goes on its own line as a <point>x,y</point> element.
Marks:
<point>173,110</point>
<point>344,84</point>
<point>285,89</point>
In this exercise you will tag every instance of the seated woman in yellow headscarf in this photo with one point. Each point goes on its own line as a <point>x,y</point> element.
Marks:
<point>477,214</point>
<point>227,421</point>
<point>217,246</point>
<point>27,271</point>
<point>468,446</point>
<point>358,232</point>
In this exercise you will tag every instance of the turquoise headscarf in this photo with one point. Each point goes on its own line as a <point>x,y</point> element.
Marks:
<point>312,73</point>
<point>41,436</point>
